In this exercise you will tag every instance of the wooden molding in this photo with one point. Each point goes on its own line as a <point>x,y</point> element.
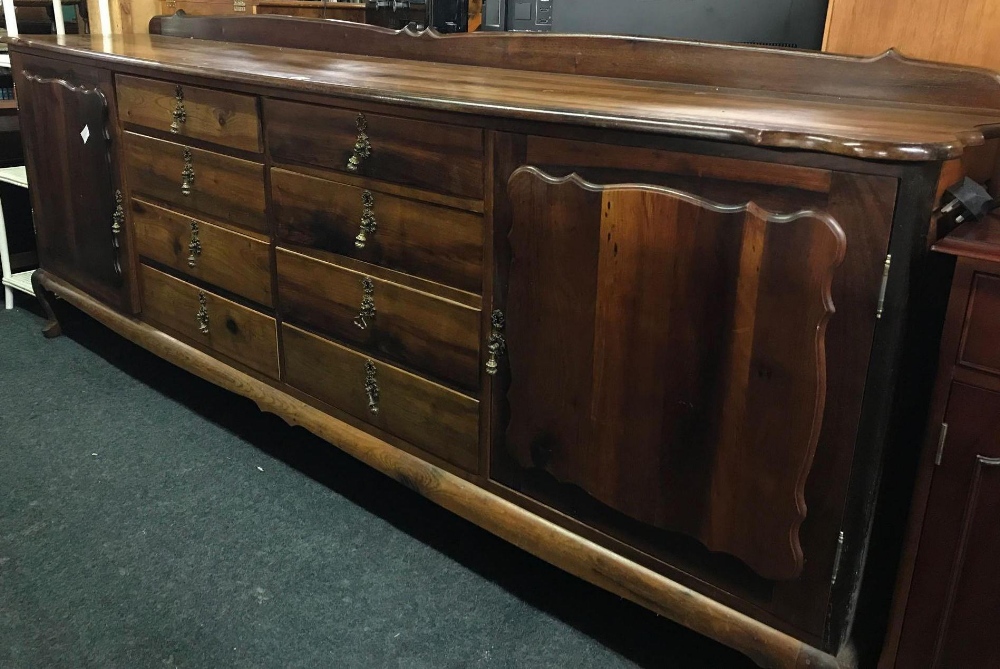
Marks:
<point>560,547</point>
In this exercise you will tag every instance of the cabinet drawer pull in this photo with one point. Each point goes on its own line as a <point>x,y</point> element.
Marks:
<point>187,174</point>
<point>117,221</point>
<point>371,386</point>
<point>368,222</point>
<point>202,316</point>
<point>179,115</point>
<point>194,246</point>
<point>496,344</point>
<point>362,147</point>
<point>367,312</point>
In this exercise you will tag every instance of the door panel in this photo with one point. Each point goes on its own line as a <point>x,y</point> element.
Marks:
<point>70,134</point>
<point>667,356</point>
<point>956,577</point>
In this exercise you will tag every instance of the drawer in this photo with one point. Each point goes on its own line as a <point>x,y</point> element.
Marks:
<point>229,189</point>
<point>979,348</point>
<point>423,331</point>
<point>435,419</point>
<point>433,242</point>
<point>236,262</point>
<point>230,329</point>
<point>438,157</point>
<point>229,119</point>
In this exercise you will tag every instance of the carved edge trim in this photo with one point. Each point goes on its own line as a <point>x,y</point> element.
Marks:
<point>826,296</point>
<point>745,207</point>
<point>574,554</point>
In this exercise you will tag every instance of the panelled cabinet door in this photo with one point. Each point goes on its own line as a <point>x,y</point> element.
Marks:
<point>956,580</point>
<point>79,213</point>
<point>667,356</point>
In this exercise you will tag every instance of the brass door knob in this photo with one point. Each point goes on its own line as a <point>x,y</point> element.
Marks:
<point>187,174</point>
<point>202,316</point>
<point>496,344</point>
<point>179,114</point>
<point>194,245</point>
<point>368,222</point>
<point>367,312</point>
<point>371,386</point>
<point>362,147</point>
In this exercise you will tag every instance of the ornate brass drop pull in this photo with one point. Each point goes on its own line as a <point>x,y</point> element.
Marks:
<point>187,174</point>
<point>202,316</point>
<point>362,147</point>
<point>367,304</point>
<point>179,115</point>
<point>194,246</point>
<point>371,386</point>
<point>117,221</point>
<point>368,222</point>
<point>496,344</point>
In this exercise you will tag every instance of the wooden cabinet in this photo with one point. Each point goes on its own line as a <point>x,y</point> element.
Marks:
<point>949,585</point>
<point>638,307</point>
<point>69,122</point>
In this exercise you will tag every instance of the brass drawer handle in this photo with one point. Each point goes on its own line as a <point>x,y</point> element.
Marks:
<point>187,174</point>
<point>367,312</point>
<point>371,386</point>
<point>368,222</point>
<point>362,147</point>
<point>194,246</point>
<point>496,344</point>
<point>117,222</point>
<point>202,316</point>
<point>179,115</point>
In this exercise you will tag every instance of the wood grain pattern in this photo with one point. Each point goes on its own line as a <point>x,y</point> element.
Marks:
<point>235,262</point>
<point>751,68</point>
<point>952,31</point>
<point>924,127</point>
<point>432,242</point>
<point>619,303</point>
<point>571,552</point>
<point>443,158</point>
<point>226,188</point>
<point>423,331</point>
<point>214,116</point>
<point>239,333</point>
<point>425,414</point>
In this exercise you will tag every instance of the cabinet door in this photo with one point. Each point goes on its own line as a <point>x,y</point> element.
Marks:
<point>667,356</point>
<point>951,617</point>
<point>70,137</point>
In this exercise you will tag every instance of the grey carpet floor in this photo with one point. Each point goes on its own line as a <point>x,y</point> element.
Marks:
<point>149,519</point>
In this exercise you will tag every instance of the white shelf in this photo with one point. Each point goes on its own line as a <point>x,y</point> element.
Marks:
<point>20,281</point>
<point>16,175</point>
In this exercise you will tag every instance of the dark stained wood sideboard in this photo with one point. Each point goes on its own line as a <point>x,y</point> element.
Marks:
<point>637,306</point>
<point>946,600</point>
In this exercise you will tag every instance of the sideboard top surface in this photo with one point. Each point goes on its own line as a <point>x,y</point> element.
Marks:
<point>852,126</point>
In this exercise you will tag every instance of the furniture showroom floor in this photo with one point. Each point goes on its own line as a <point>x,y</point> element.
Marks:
<point>141,526</point>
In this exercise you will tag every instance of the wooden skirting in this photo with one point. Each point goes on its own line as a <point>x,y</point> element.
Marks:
<point>572,553</point>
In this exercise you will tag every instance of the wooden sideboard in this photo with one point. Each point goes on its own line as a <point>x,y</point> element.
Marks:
<point>637,306</point>
<point>948,585</point>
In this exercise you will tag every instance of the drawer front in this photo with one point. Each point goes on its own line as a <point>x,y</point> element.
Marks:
<point>229,189</point>
<point>436,243</point>
<point>423,331</point>
<point>238,263</point>
<point>433,418</point>
<point>229,119</point>
<point>230,329</point>
<point>438,157</point>
<point>979,348</point>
